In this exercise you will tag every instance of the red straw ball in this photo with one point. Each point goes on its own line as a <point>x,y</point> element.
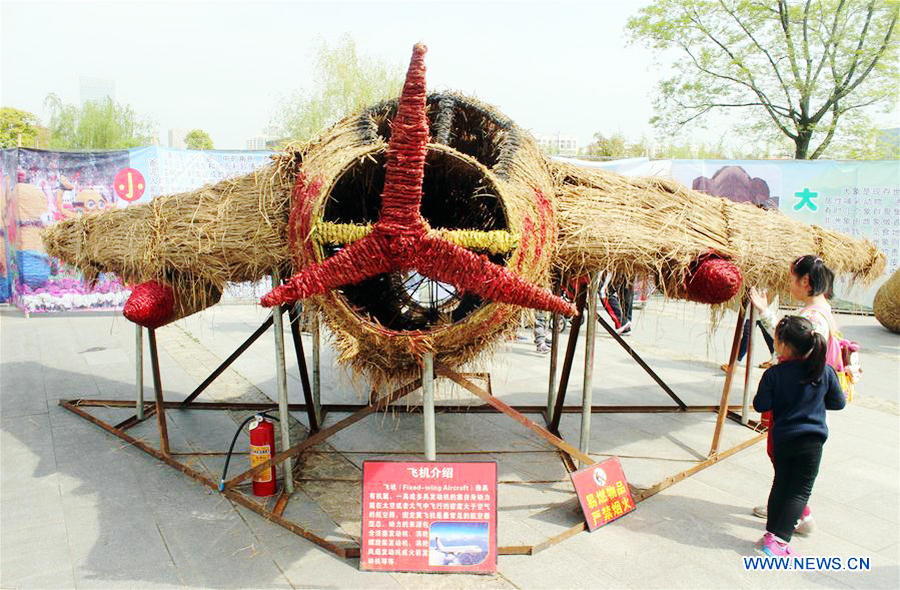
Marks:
<point>713,281</point>
<point>151,305</point>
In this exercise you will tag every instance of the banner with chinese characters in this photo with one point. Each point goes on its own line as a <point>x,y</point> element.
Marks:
<point>603,492</point>
<point>40,188</point>
<point>429,517</point>
<point>859,198</point>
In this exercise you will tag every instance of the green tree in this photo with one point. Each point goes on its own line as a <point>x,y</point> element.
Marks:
<point>615,146</point>
<point>793,66</point>
<point>345,81</point>
<point>97,124</point>
<point>673,150</point>
<point>198,139</point>
<point>16,126</point>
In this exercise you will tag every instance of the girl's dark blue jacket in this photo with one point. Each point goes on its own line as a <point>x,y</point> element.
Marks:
<point>797,408</point>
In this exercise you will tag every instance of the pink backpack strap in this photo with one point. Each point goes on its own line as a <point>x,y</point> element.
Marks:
<point>833,355</point>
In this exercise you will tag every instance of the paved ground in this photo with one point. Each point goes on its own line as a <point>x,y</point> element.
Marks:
<point>81,509</point>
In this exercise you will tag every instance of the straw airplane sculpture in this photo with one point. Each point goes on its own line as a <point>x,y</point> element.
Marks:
<point>372,208</point>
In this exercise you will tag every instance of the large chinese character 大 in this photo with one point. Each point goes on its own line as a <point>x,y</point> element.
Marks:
<point>806,200</point>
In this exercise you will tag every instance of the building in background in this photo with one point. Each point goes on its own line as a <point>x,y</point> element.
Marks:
<point>176,138</point>
<point>91,88</point>
<point>257,143</point>
<point>558,144</point>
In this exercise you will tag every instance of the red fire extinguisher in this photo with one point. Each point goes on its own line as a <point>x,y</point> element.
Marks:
<point>262,446</point>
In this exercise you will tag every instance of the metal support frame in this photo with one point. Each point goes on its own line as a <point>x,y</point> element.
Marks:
<point>554,353</point>
<point>316,374</point>
<point>281,385</point>
<point>574,328</point>
<point>428,406</point>
<point>158,394</point>
<point>726,389</point>
<point>139,371</point>
<point>231,358</point>
<point>358,411</point>
<point>313,412</point>
<point>745,406</point>
<point>348,551</point>
<point>641,362</point>
<point>559,397</point>
<point>587,388</point>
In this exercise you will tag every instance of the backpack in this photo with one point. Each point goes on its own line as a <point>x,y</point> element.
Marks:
<point>843,356</point>
<point>851,369</point>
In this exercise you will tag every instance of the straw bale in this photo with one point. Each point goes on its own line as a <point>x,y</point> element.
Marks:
<point>887,303</point>
<point>656,228</point>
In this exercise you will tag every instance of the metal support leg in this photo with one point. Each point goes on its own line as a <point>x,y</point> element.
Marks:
<point>428,405</point>
<point>227,362</point>
<point>316,375</point>
<point>281,381</point>
<point>726,389</point>
<point>158,392</point>
<point>554,350</point>
<point>311,408</point>
<point>643,364</point>
<point>139,371</point>
<point>569,358</point>
<point>587,388</point>
<point>745,408</point>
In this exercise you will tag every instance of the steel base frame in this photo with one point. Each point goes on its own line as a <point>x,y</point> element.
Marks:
<point>235,491</point>
<point>275,513</point>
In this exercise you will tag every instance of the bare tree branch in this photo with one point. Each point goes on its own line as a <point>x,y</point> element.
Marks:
<point>829,134</point>
<point>768,55</point>
<point>842,88</point>
<point>752,83</point>
<point>784,19</point>
<point>829,40</point>
<point>806,56</point>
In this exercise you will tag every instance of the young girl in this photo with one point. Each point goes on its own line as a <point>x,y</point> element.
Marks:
<point>797,391</point>
<point>811,283</point>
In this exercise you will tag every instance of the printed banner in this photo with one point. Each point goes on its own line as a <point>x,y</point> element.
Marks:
<point>603,493</point>
<point>429,517</point>
<point>51,187</point>
<point>40,188</point>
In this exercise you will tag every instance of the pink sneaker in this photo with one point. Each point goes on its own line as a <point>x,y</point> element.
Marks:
<point>771,546</point>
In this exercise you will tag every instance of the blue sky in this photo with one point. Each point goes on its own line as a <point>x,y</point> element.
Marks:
<point>224,66</point>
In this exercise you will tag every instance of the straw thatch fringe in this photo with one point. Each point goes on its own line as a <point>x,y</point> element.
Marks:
<point>887,303</point>
<point>657,228</point>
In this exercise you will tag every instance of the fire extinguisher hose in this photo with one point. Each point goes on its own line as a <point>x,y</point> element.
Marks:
<point>234,440</point>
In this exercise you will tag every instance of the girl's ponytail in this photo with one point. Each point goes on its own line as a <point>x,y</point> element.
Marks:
<point>815,360</point>
<point>807,345</point>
